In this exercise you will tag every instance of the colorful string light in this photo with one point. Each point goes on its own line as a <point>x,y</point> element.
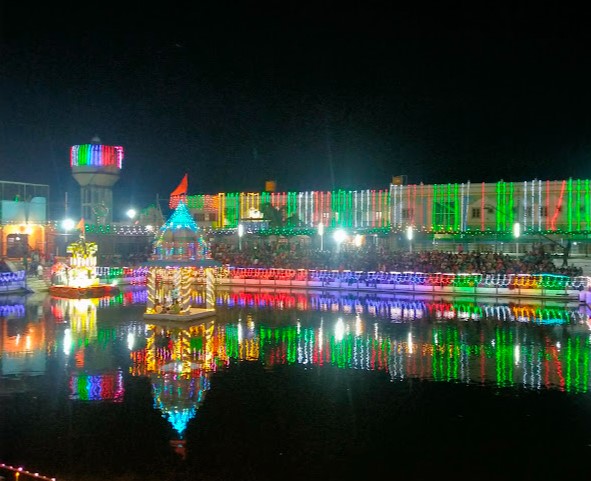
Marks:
<point>561,206</point>
<point>95,155</point>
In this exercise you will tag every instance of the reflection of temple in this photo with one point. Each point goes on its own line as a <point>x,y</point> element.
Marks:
<point>178,361</point>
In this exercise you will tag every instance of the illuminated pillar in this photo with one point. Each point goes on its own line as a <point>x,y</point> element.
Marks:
<point>151,281</point>
<point>209,288</point>
<point>185,278</point>
<point>176,284</point>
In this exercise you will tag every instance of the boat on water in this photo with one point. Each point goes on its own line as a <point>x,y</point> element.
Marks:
<point>78,279</point>
<point>100,290</point>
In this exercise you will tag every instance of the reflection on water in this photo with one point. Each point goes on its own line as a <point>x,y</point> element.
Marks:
<point>532,346</point>
<point>399,309</point>
<point>94,348</point>
<point>178,360</point>
<point>494,350</point>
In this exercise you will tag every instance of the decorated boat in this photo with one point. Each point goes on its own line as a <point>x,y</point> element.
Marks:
<point>78,278</point>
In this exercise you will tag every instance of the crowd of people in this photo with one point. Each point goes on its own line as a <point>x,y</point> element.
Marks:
<point>285,255</point>
<point>372,258</point>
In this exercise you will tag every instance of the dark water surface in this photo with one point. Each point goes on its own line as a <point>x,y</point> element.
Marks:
<point>296,386</point>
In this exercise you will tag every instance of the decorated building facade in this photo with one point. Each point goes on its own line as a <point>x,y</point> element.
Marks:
<point>495,213</point>
<point>547,206</point>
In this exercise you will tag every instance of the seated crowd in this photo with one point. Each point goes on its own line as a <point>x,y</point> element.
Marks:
<point>382,259</point>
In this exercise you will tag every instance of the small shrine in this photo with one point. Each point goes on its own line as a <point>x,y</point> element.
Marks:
<point>78,278</point>
<point>181,257</point>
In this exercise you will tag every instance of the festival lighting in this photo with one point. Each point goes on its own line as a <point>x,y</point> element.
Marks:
<point>20,470</point>
<point>12,310</point>
<point>387,280</point>
<point>180,219</point>
<point>466,209</point>
<point>100,387</point>
<point>442,352</point>
<point>95,155</point>
<point>12,280</point>
<point>81,272</point>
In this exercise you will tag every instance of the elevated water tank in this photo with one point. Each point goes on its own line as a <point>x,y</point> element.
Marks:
<point>96,168</point>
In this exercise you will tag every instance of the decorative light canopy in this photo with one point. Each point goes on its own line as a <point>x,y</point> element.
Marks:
<point>180,219</point>
<point>178,238</point>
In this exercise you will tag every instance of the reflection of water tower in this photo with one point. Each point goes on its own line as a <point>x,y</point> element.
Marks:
<point>96,168</point>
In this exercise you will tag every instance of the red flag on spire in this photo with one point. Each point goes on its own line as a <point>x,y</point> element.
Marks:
<point>180,191</point>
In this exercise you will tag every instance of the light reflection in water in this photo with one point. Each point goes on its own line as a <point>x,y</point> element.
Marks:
<point>507,345</point>
<point>178,361</point>
<point>531,346</point>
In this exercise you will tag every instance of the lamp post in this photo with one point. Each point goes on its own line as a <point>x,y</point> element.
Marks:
<point>240,234</point>
<point>409,236</point>
<point>516,234</point>
<point>321,234</point>
<point>131,213</point>
<point>339,236</point>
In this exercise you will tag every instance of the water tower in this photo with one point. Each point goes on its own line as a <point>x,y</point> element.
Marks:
<point>96,168</point>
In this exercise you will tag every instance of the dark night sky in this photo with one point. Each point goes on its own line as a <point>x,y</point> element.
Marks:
<point>235,93</point>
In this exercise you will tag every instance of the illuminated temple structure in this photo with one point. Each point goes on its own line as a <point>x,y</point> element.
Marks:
<point>179,258</point>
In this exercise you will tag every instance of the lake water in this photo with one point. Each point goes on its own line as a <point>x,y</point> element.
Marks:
<point>295,385</point>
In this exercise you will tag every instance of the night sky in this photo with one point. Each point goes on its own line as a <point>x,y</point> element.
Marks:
<point>315,95</point>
